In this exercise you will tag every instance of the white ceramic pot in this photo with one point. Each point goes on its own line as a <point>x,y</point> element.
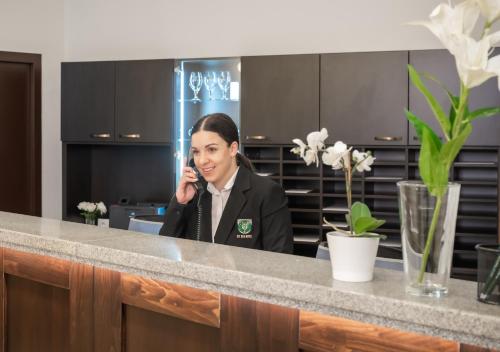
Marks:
<point>352,258</point>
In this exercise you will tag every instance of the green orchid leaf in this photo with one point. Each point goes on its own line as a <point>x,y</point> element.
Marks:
<point>433,103</point>
<point>366,224</point>
<point>450,149</point>
<point>486,112</point>
<point>359,210</point>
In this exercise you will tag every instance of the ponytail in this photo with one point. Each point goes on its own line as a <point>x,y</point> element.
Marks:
<point>243,160</point>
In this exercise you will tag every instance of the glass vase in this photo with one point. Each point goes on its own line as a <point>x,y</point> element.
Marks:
<point>90,220</point>
<point>427,237</point>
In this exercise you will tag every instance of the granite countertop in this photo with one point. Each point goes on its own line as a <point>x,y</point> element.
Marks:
<point>287,280</point>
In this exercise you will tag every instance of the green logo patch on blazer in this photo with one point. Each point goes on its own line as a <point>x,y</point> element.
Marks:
<point>245,226</point>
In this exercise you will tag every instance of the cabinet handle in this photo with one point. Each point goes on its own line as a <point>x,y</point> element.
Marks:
<point>257,138</point>
<point>131,135</point>
<point>100,135</point>
<point>388,138</point>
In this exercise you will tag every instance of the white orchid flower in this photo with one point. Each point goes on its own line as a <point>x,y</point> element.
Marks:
<point>336,155</point>
<point>301,149</point>
<point>316,140</point>
<point>311,157</point>
<point>362,161</point>
<point>489,9</point>
<point>102,208</point>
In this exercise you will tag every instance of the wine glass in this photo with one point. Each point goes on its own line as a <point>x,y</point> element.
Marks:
<point>195,82</point>
<point>210,80</point>
<point>224,80</point>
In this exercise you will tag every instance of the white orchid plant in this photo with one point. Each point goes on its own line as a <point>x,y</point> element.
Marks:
<point>340,157</point>
<point>91,211</point>
<point>454,26</point>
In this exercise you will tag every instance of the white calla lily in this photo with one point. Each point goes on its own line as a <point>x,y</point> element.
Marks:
<point>447,22</point>
<point>494,66</point>
<point>472,62</point>
<point>490,9</point>
<point>316,140</point>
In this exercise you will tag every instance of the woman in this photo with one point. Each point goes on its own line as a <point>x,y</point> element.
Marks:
<point>237,207</point>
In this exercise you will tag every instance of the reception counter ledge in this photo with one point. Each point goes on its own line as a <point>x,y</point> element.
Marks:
<point>75,287</point>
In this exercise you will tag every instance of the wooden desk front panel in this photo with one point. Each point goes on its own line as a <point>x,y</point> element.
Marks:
<point>53,305</point>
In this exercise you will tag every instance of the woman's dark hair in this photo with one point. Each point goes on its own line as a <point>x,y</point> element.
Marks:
<point>225,127</point>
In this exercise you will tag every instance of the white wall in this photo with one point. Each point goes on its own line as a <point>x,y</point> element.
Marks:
<point>131,29</point>
<point>36,26</point>
<point>73,30</point>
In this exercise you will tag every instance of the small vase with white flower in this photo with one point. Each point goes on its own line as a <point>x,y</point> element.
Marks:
<point>352,251</point>
<point>91,211</point>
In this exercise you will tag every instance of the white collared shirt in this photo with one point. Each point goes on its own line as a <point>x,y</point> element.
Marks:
<point>219,200</point>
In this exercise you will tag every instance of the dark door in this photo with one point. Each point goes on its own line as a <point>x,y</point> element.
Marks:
<point>20,92</point>
<point>441,65</point>
<point>144,97</point>
<point>363,97</point>
<point>279,98</point>
<point>87,101</point>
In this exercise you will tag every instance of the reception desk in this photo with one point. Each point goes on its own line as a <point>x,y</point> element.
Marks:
<point>74,287</point>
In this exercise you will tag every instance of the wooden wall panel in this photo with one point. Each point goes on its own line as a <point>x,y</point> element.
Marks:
<point>37,316</point>
<point>155,332</point>
<point>321,333</point>
<point>250,326</point>
<point>81,303</point>
<point>2,303</point>
<point>182,302</point>
<point>107,311</point>
<point>39,268</point>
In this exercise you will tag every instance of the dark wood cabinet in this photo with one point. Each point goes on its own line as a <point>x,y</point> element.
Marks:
<point>87,101</point>
<point>144,97</point>
<point>441,65</point>
<point>127,102</point>
<point>363,97</point>
<point>279,97</point>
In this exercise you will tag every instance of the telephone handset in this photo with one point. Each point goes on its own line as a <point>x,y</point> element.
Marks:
<point>198,185</point>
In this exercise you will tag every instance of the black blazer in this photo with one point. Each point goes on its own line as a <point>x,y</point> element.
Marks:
<point>256,216</point>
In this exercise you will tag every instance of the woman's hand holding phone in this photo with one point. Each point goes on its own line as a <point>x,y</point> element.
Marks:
<point>186,189</point>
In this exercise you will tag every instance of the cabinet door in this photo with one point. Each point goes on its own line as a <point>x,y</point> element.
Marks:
<point>279,98</point>
<point>363,97</point>
<point>441,65</point>
<point>144,95</point>
<point>87,101</point>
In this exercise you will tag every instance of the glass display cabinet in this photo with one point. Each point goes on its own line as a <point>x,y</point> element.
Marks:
<point>203,87</point>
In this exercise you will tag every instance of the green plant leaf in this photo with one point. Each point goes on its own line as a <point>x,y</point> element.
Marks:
<point>485,112</point>
<point>455,101</point>
<point>450,149</point>
<point>432,169</point>
<point>366,224</point>
<point>433,103</point>
<point>420,125</point>
<point>359,210</point>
